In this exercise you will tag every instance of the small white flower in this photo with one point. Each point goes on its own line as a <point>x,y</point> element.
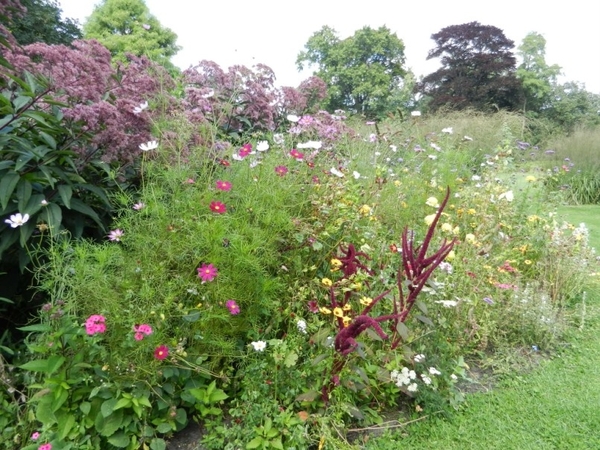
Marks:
<point>454,377</point>
<point>210,93</point>
<point>293,118</point>
<point>446,267</point>
<point>356,175</point>
<point>237,157</point>
<point>254,163</point>
<point>432,201</point>
<point>310,144</point>
<point>412,387</point>
<point>416,113</point>
<point>329,342</point>
<point>140,108</point>
<point>17,220</point>
<point>508,195</point>
<point>146,26</point>
<point>336,172</point>
<point>278,138</point>
<point>434,371</point>
<point>434,146</point>
<point>394,148</point>
<point>301,324</point>
<point>468,138</point>
<point>419,358</point>
<point>262,146</point>
<point>150,145</point>
<point>259,346</point>
<point>44,202</point>
<point>139,206</point>
<point>447,303</point>
<point>448,130</point>
<point>432,157</point>
<point>476,178</point>
<point>426,379</point>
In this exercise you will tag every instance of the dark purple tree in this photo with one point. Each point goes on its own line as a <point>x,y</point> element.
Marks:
<point>478,69</point>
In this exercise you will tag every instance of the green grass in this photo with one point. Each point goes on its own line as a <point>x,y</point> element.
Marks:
<point>553,407</point>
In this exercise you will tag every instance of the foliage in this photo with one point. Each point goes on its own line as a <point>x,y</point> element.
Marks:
<point>360,71</point>
<point>571,105</point>
<point>478,69</point>
<point>537,77</point>
<point>43,23</point>
<point>127,27</point>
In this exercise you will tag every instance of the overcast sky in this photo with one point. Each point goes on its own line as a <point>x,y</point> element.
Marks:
<point>274,32</point>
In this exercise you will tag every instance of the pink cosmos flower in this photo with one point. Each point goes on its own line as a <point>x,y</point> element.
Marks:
<point>233,307</point>
<point>95,324</point>
<point>245,150</point>
<point>207,272</point>
<point>139,206</point>
<point>35,436</point>
<point>190,181</point>
<point>223,185</point>
<point>296,154</point>
<point>138,336</point>
<point>141,331</point>
<point>218,207</point>
<point>281,170</point>
<point>115,235</point>
<point>161,352</point>
<point>45,447</point>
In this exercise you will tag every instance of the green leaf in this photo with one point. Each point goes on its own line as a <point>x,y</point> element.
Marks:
<point>36,327</point>
<point>123,403</point>
<point>21,101</point>
<point>48,140</point>
<point>402,330</point>
<point>307,396</point>
<point>255,443</point>
<point>7,186</point>
<point>164,428</point>
<point>276,443</point>
<point>158,444</point>
<point>23,193</point>
<point>81,207</point>
<point>85,407</point>
<point>425,320</point>
<point>22,160</point>
<point>290,360</point>
<point>65,422</point>
<point>108,407</point>
<point>192,317</point>
<point>107,426</point>
<point>421,305</point>
<point>120,440</point>
<point>66,192</point>
<point>318,359</point>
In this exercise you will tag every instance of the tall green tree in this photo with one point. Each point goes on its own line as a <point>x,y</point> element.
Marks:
<point>126,26</point>
<point>537,77</point>
<point>361,71</point>
<point>478,69</point>
<point>42,22</point>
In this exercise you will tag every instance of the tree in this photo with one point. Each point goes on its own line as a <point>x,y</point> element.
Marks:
<point>571,104</point>
<point>537,77</point>
<point>43,23</point>
<point>361,71</point>
<point>126,26</point>
<point>478,69</point>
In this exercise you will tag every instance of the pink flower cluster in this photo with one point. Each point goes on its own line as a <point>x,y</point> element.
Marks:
<point>95,324</point>
<point>141,331</point>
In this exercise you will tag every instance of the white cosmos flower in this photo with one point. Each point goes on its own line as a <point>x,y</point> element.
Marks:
<point>433,157</point>
<point>508,195</point>
<point>415,113</point>
<point>262,146</point>
<point>259,346</point>
<point>336,172</point>
<point>447,303</point>
<point>293,118</point>
<point>468,138</point>
<point>140,108</point>
<point>310,144</point>
<point>448,130</point>
<point>394,148</point>
<point>356,175</point>
<point>17,220</point>
<point>476,178</point>
<point>435,147</point>
<point>278,138</point>
<point>150,145</point>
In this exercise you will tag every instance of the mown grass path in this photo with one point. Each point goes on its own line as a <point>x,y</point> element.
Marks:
<point>556,406</point>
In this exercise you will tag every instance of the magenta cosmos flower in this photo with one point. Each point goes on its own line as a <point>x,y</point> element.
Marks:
<point>223,185</point>
<point>45,447</point>
<point>161,352</point>
<point>281,170</point>
<point>207,272</point>
<point>233,307</point>
<point>296,154</point>
<point>218,207</point>
<point>95,324</point>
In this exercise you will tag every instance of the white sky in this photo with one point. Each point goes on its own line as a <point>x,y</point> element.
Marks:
<point>274,32</point>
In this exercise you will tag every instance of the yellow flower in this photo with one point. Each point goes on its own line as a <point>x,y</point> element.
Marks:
<point>365,210</point>
<point>366,301</point>
<point>446,227</point>
<point>324,310</point>
<point>471,211</point>
<point>346,320</point>
<point>335,264</point>
<point>523,248</point>
<point>470,238</point>
<point>530,178</point>
<point>432,201</point>
<point>528,262</point>
<point>456,231</point>
<point>356,286</point>
<point>429,219</point>
<point>326,282</point>
<point>404,204</point>
<point>451,255</point>
<point>347,307</point>
<point>397,183</point>
<point>337,312</point>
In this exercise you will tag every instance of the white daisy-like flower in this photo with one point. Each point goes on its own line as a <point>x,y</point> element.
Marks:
<point>278,138</point>
<point>415,113</point>
<point>293,118</point>
<point>394,148</point>
<point>17,220</point>
<point>262,146</point>
<point>140,108</point>
<point>301,324</point>
<point>508,196</point>
<point>447,303</point>
<point>150,145</point>
<point>476,178</point>
<point>412,387</point>
<point>432,157</point>
<point>356,175</point>
<point>419,358</point>
<point>259,346</point>
<point>44,202</point>
<point>336,172</point>
<point>432,201</point>
<point>310,144</point>
<point>467,138</point>
<point>448,130</point>
<point>434,371</point>
<point>426,379</point>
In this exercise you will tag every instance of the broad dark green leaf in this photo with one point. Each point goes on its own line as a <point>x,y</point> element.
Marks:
<point>7,186</point>
<point>66,192</point>
<point>23,193</point>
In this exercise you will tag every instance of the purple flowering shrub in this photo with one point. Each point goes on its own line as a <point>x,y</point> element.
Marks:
<point>100,96</point>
